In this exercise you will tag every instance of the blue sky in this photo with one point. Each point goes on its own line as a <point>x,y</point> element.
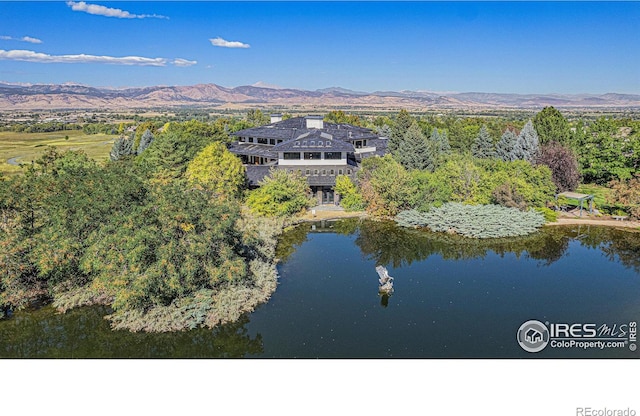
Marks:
<point>514,47</point>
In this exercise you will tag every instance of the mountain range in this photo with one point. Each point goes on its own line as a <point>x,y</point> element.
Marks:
<point>74,96</point>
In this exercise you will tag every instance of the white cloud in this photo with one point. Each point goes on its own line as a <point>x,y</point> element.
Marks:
<point>30,39</point>
<point>31,56</point>
<point>22,39</point>
<point>183,62</point>
<point>99,10</point>
<point>228,44</point>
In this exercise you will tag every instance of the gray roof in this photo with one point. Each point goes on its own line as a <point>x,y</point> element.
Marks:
<point>252,149</point>
<point>255,173</point>
<point>293,127</point>
<point>381,147</point>
<point>314,140</point>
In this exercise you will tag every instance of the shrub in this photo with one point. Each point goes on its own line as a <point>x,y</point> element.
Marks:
<point>280,194</point>
<point>626,193</point>
<point>563,164</point>
<point>476,221</point>
<point>549,214</point>
<point>350,198</point>
<point>385,186</point>
<point>508,196</point>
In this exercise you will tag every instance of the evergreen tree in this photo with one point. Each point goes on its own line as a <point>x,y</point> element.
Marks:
<point>122,147</point>
<point>551,126</point>
<point>527,144</point>
<point>146,140</point>
<point>483,147</point>
<point>384,131</point>
<point>400,127</point>
<point>506,145</point>
<point>414,151</point>
<point>439,142</point>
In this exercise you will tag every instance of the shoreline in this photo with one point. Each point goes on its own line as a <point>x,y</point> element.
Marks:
<point>626,224</point>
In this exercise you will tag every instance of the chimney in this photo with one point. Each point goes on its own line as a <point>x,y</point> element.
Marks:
<point>314,122</point>
<point>276,118</point>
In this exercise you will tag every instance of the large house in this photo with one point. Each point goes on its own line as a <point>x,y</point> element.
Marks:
<point>310,146</point>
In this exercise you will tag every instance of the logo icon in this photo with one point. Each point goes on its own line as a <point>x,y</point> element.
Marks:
<point>533,336</point>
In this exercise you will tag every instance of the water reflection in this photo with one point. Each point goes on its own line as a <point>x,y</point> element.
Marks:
<point>389,244</point>
<point>83,333</point>
<point>327,305</point>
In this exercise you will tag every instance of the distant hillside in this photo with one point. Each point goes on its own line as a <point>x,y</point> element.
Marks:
<point>70,96</point>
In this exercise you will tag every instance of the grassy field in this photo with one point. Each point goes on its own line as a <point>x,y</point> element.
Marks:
<point>25,147</point>
<point>599,192</point>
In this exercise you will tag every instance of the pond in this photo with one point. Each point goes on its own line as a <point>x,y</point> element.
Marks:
<point>452,298</point>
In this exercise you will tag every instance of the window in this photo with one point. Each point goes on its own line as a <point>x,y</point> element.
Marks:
<point>313,143</point>
<point>272,141</point>
<point>312,155</point>
<point>320,143</point>
<point>304,143</point>
<point>300,172</point>
<point>263,141</point>
<point>315,172</point>
<point>278,141</point>
<point>297,144</point>
<point>333,155</point>
<point>328,144</point>
<point>250,139</point>
<point>307,172</point>
<point>348,171</point>
<point>339,171</point>
<point>242,139</point>
<point>332,172</point>
<point>291,155</point>
<point>324,172</point>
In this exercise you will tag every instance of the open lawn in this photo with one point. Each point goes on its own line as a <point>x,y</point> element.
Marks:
<point>16,148</point>
<point>599,192</point>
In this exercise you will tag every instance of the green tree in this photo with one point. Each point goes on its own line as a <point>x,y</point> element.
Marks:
<point>257,118</point>
<point>145,141</point>
<point>399,128</point>
<point>462,134</point>
<point>167,157</point>
<point>604,155</point>
<point>140,130</point>
<point>439,142</point>
<point>350,198</point>
<point>414,152</point>
<point>385,185</point>
<point>505,148</point>
<point>217,170</point>
<point>429,190</point>
<point>527,144</point>
<point>340,117</point>
<point>281,193</point>
<point>483,147</point>
<point>551,125</point>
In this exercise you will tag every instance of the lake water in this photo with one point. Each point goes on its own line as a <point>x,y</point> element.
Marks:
<point>453,298</point>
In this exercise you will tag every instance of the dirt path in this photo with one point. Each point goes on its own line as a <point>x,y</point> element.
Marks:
<point>331,215</point>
